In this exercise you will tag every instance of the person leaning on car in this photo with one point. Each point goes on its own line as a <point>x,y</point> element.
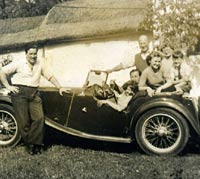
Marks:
<point>25,96</point>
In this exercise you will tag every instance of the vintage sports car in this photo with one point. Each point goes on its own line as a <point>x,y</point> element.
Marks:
<point>161,124</point>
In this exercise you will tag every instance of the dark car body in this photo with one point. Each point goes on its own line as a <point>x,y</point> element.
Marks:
<point>81,113</point>
<point>78,113</point>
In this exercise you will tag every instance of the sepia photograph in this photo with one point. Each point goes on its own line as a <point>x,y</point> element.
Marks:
<point>100,89</point>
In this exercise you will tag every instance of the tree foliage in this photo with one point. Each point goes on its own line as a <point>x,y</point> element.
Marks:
<point>25,8</point>
<point>176,21</point>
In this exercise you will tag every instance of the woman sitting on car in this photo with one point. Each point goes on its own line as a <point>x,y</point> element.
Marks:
<point>154,78</point>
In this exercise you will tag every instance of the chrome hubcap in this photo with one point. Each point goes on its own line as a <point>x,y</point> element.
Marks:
<point>162,131</point>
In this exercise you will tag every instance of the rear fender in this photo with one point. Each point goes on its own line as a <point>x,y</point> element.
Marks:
<point>190,115</point>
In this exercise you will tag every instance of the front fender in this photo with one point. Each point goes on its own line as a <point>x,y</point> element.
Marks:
<point>184,106</point>
<point>5,96</point>
<point>5,99</point>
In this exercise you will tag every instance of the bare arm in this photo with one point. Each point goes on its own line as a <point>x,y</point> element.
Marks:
<point>179,86</point>
<point>50,77</point>
<point>166,85</point>
<point>119,67</point>
<point>149,90</point>
<point>120,106</point>
<point>116,68</point>
<point>55,82</point>
<point>4,80</point>
<point>167,76</point>
<point>142,84</point>
<point>115,106</point>
<point>178,81</point>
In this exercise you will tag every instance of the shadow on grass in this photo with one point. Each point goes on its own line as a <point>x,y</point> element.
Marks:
<point>53,137</point>
<point>193,146</point>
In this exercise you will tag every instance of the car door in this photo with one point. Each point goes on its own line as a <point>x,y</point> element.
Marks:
<point>55,106</point>
<point>86,116</point>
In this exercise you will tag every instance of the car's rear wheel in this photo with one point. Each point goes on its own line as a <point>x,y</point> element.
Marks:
<point>162,132</point>
<point>9,131</point>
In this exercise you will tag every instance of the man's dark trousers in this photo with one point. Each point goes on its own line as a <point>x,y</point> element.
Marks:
<point>29,114</point>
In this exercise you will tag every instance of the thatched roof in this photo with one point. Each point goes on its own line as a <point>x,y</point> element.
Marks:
<point>74,20</point>
<point>15,25</point>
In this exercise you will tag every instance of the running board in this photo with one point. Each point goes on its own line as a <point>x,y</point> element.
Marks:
<point>77,133</point>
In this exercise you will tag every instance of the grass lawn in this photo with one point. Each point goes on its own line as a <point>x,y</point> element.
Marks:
<point>87,159</point>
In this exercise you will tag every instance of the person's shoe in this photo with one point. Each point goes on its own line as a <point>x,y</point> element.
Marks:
<point>34,149</point>
<point>30,149</point>
<point>38,149</point>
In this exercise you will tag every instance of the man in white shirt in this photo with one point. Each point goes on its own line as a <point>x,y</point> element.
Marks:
<point>25,96</point>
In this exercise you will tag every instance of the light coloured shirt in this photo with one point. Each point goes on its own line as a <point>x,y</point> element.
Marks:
<point>167,64</point>
<point>183,73</point>
<point>24,75</point>
<point>153,78</point>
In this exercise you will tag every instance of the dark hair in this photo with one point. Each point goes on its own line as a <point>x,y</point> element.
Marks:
<point>177,54</point>
<point>29,47</point>
<point>153,54</point>
<point>165,46</point>
<point>148,59</point>
<point>135,70</point>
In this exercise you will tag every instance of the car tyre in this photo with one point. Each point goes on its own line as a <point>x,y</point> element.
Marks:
<point>9,131</point>
<point>162,131</point>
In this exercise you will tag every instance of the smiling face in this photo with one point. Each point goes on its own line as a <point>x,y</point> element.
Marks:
<point>155,63</point>
<point>135,76</point>
<point>31,56</point>
<point>167,51</point>
<point>177,62</point>
<point>144,44</point>
<point>177,58</point>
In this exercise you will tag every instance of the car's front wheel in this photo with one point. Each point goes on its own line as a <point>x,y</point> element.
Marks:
<point>162,131</point>
<point>9,131</point>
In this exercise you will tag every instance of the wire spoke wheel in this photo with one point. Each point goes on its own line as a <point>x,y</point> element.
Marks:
<point>9,133</point>
<point>162,132</point>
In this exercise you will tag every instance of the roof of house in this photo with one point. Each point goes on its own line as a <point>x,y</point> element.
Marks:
<point>74,20</point>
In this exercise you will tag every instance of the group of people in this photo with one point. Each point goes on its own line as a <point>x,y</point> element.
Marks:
<point>165,73</point>
<point>162,70</point>
<point>155,72</point>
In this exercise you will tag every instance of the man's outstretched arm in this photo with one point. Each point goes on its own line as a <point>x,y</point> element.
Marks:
<point>55,82</point>
<point>120,67</point>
